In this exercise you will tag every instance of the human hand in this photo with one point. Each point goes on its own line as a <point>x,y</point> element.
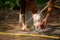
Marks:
<point>44,21</point>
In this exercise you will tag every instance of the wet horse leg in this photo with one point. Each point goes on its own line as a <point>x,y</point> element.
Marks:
<point>36,16</point>
<point>22,11</point>
<point>22,14</point>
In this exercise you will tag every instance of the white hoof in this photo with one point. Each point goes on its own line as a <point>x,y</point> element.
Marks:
<point>24,26</point>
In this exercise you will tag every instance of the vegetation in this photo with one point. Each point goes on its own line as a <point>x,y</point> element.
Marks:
<point>10,4</point>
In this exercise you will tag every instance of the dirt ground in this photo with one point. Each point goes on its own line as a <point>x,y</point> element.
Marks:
<point>10,23</point>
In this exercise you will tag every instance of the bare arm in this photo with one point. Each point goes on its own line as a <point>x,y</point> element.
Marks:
<point>50,5</point>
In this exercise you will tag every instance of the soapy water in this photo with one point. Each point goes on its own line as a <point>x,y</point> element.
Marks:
<point>41,17</point>
<point>41,26</point>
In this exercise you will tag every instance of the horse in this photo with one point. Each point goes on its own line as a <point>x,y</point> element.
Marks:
<point>35,15</point>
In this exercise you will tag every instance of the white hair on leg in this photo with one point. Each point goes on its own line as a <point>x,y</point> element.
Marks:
<point>20,18</point>
<point>24,26</point>
<point>36,20</point>
<point>21,21</point>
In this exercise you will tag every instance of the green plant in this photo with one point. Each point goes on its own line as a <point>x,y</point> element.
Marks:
<point>9,4</point>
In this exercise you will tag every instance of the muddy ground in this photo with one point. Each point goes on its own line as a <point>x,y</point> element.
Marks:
<point>10,23</point>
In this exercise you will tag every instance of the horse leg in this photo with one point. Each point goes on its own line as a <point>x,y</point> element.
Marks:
<point>36,16</point>
<point>22,14</point>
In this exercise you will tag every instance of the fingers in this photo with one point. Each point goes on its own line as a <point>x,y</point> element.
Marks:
<point>44,22</point>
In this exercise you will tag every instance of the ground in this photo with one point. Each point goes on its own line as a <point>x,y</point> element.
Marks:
<point>10,23</point>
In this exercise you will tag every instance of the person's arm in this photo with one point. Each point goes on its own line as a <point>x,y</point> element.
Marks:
<point>50,5</point>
